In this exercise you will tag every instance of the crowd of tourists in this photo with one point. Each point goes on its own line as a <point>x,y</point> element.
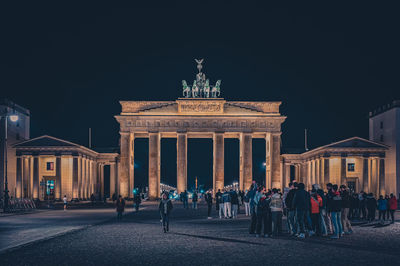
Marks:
<point>314,212</point>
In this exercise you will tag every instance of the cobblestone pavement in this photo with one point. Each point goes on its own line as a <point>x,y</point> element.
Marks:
<point>194,240</point>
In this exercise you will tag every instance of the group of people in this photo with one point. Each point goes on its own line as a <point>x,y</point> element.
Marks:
<point>313,212</point>
<point>227,203</point>
<point>363,206</point>
<point>308,213</point>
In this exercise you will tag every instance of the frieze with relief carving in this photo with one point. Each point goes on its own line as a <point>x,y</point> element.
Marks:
<point>230,125</point>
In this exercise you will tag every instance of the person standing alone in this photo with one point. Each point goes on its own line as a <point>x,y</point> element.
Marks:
<point>165,208</point>
<point>120,207</point>
<point>209,204</point>
<point>65,202</point>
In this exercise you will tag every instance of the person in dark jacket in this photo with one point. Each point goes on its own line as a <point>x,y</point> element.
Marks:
<point>263,216</point>
<point>301,203</point>
<point>324,219</point>
<point>292,227</point>
<point>120,207</point>
<point>218,201</point>
<point>362,203</point>
<point>371,207</point>
<point>137,199</point>
<point>334,203</point>
<point>353,214</point>
<point>209,204</point>
<point>235,203</point>
<point>251,194</point>
<point>165,208</point>
<point>344,193</point>
<point>195,197</point>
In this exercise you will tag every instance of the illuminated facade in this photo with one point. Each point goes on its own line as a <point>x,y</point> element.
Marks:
<point>355,162</point>
<point>213,118</point>
<point>51,167</point>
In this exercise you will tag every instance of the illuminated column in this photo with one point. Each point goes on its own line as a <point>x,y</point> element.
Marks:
<point>246,161</point>
<point>154,165</point>
<point>275,160</point>
<point>79,177</point>
<point>58,178</point>
<point>131,164</point>
<point>36,177</point>
<point>309,173</point>
<point>218,165</point>
<point>317,166</point>
<point>374,176</point>
<point>75,174</point>
<point>112,179</point>
<point>26,172</point>
<point>181,162</point>
<point>326,171</point>
<point>287,174</point>
<point>102,180</point>
<point>382,176</point>
<point>87,187</point>
<point>342,171</point>
<point>18,183</point>
<point>365,175</point>
<point>124,165</point>
<point>83,193</point>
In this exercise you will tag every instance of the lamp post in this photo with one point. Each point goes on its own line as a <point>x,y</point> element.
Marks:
<point>13,118</point>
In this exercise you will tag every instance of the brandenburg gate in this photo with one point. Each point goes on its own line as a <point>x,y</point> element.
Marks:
<point>199,115</point>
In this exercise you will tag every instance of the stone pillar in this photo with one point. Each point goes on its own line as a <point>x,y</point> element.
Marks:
<point>75,174</point>
<point>321,173</point>
<point>26,183</point>
<point>181,162</point>
<point>124,165</point>
<point>112,179</point>
<point>365,175</point>
<point>58,191</point>
<point>374,176</point>
<point>382,176</point>
<point>154,165</point>
<point>326,172</point>
<point>18,183</point>
<point>287,174</point>
<point>131,164</point>
<point>79,177</point>
<point>246,161</point>
<point>35,177</point>
<point>275,160</point>
<point>218,165</point>
<point>102,180</point>
<point>343,171</point>
<point>309,173</point>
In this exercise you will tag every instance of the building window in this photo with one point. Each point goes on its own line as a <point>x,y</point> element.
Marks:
<point>381,138</point>
<point>50,166</point>
<point>381,124</point>
<point>350,167</point>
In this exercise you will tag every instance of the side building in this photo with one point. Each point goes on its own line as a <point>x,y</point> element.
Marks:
<point>355,162</point>
<point>49,168</point>
<point>384,127</point>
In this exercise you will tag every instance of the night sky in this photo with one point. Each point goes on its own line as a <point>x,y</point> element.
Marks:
<point>328,64</point>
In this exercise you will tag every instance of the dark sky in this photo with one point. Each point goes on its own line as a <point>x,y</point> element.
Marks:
<point>329,64</point>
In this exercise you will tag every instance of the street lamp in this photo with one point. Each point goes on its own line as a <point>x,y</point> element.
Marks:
<point>13,118</point>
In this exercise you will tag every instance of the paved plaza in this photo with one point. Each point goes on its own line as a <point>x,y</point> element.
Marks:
<point>192,240</point>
